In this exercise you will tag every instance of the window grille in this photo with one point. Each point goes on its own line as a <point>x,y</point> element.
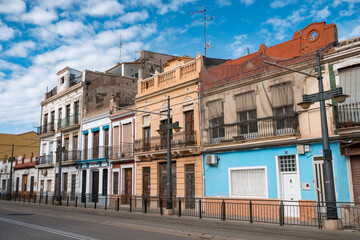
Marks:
<point>248,182</point>
<point>287,163</point>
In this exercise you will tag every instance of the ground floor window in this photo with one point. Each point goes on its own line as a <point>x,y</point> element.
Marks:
<point>248,182</point>
<point>116,183</point>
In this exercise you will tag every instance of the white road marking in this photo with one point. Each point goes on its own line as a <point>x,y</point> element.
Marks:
<point>49,230</point>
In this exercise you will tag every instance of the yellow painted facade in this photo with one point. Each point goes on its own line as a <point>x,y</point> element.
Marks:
<point>179,81</point>
<point>24,144</point>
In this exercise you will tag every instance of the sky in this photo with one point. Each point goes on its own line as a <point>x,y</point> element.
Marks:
<point>40,37</point>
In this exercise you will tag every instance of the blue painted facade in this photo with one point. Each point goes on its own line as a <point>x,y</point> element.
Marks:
<point>216,178</point>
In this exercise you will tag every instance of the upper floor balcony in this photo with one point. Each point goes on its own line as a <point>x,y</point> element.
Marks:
<point>45,160</point>
<point>175,76</point>
<point>252,129</point>
<point>47,128</point>
<point>124,151</point>
<point>68,156</point>
<point>347,117</point>
<point>101,152</point>
<point>69,121</point>
<point>181,143</point>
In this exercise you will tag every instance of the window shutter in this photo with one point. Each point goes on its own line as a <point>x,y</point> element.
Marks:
<point>215,109</point>
<point>146,121</point>
<point>349,83</point>
<point>282,95</point>
<point>248,183</point>
<point>245,101</point>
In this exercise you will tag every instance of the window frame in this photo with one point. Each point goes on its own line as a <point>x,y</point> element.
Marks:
<point>266,194</point>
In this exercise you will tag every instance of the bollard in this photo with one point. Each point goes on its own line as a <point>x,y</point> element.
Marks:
<point>130,204</point>
<point>281,213</point>
<point>105,202</point>
<point>40,198</point>
<point>223,210</point>
<point>76,199</point>
<point>161,206</point>
<point>250,210</point>
<point>200,209</point>
<point>118,204</point>
<point>145,205</point>
<point>179,207</point>
<point>24,197</point>
<point>53,199</point>
<point>46,200</point>
<point>67,201</point>
<point>35,198</point>
<point>29,197</point>
<point>85,203</point>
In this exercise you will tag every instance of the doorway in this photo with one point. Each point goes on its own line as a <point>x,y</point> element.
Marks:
<point>146,182</point>
<point>25,177</point>
<point>95,186</point>
<point>127,185</point>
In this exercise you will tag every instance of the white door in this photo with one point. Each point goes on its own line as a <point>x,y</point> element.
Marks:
<point>290,185</point>
<point>319,183</point>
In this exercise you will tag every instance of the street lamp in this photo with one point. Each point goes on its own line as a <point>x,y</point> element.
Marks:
<point>321,96</point>
<point>168,128</point>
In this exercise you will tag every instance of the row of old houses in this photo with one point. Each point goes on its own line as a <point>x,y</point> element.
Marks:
<point>242,133</point>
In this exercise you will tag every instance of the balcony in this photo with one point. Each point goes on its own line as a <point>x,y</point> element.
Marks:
<point>25,163</point>
<point>96,153</point>
<point>69,155</point>
<point>47,128</point>
<point>53,92</point>
<point>348,115</point>
<point>45,159</point>
<point>71,120</point>
<point>184,139</point>
<point>179,74</point>
<point>122,151</point>
<point>252,129</point>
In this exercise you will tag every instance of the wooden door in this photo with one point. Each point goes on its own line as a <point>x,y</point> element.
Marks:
<point>95,186</point>
<point>190,185</point>
<point>96,145</point>
<point>163,180</point>
<point>189,127</point>
<point>127,136</point>
<point>65,183</point>
<point>146,182</point>
<point>25,177</point>
<point>73,186</point>
<point>83,186</point>
<point>127,185</point>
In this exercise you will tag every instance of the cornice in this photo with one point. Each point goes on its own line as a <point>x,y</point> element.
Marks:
<point>61,94</point>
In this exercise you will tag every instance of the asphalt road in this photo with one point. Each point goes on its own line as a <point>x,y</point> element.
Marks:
<point>33,221</point>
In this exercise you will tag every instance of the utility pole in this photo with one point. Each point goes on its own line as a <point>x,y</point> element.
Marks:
<point>204,20</point>
<point>10,178</point>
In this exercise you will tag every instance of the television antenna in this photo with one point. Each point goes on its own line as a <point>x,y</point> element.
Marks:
<point>121,44</point>
<point>206,45</point>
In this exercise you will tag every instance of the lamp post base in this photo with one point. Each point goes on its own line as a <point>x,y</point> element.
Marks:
<point>169,212</point>
<point>332,224</point>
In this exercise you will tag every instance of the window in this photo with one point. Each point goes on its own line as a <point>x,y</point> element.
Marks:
<point>146,138</point>
<point>62,80</point>
<point>216,120</point>
<point>96,145</point>
<point>287,163</point>
<point>282,101</point>
<point>116,183</point>
<point>248,182</point>
<point>48,187</point>
<point>349,82</point>
<point>76,112</point>
<point>246,114</point>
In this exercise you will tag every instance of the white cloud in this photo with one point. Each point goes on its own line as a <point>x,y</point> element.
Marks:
<point>5,65</point>
<point>281,3</point>
<point>239,47</point>
<point>6,32</point>
<point>12,6</point>
<point>322,14</point>
<point>39,16</point>
<point>98,8</point>
<point>133,17</point>
<point>21,49</point>
<point>248,2</point>
<point>69,28</point>
<point>223,2</point>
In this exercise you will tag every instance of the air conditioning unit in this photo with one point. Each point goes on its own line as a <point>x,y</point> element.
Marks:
<point>211,160</point>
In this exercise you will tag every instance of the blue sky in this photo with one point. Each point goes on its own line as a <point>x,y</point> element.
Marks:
<point>40,37</point>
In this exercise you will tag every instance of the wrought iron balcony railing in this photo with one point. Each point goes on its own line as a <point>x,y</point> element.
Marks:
<point>348,115</point>
<point>124,150</point>
<point>68,121</point>
<point>181,139</point>
<point>46,128</point>
<point>265,127</point>
<point>95,153</point>
<point>69,155</point>
<point>45,159</point>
